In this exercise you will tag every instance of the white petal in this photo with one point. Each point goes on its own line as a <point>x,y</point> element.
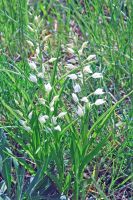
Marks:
<point>27,128</point>
<point>48,87</point>
<point>40,75</point>
<point>80,111</point>
<point>87,69</point>
<point>84,45</point>
<point>75,98</point>
<point>97,75</point>
<point>42,118</point>
<point>33,78</point>
<point>80,52</point>
<point>41,101</point>
<point>22,122</point>
<point>52,60</point>
<point>98,91</point>
<point>70,45</point>
<point>84,99</point>
<point>72,60</point>
<point>72,76</point>
<point>30,115</point>
<point>52,109</point>
<point>46,37</point>
<point>37,51</point>
<point>62,114</point>
<point>99,102</point>
<point>46,116</point>
<point>91,57</point>
<point>55,98</point>
<point>70,66</point>
<point>32,65</point>
<point>57,128</point>
<point>77,88</point>
<point>70,50</point>
<point>54,120</point>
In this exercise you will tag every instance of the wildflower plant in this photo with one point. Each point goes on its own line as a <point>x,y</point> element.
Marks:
<point>55,111</point>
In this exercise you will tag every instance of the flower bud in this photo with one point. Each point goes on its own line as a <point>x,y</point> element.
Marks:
<point>48,87</point>
<point>80,111</point>
<point>57,128</point>
<point>33,78</point>
<point>99,102</point>
<point>97,75</point>
<point>75,98</point>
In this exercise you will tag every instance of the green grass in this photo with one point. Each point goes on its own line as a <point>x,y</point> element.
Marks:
<point>78,155</point>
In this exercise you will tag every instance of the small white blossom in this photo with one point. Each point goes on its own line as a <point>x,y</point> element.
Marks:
<point>72,76</point>
<point>70,50</point>
<point>63,197</point>
<point>22,122</point>
<point>119,124</point>
<point>37,51</point>
<point>42,118</point>
<point>70,45</point>
<point>87,69</point>
<point>30,115</point>
<point>75,98</point>
<point>40,75</point>
<point>77,88</point>
<point>42,101</point>
<point>84,45</point>
<point>72,60</point>
<point>32,65</point>
<point>99,91</point>
<point>52,109</point>
<point>91,57</point>
<point>70,66</point>
<point>84,99</point>
<point>27,128</point>
<point>62,114</point>
<point>52,60</point>
<point>46,117</point>
<point>80,111</point>
<point>54,120</point>
<point>54,100</point>
<point>80,51</point>
<point>57,128</point>
<point>97,75</point>
<point>46,37</point>
<point>99,102</point>
<point>48,87</point>
<point>33,78</point>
